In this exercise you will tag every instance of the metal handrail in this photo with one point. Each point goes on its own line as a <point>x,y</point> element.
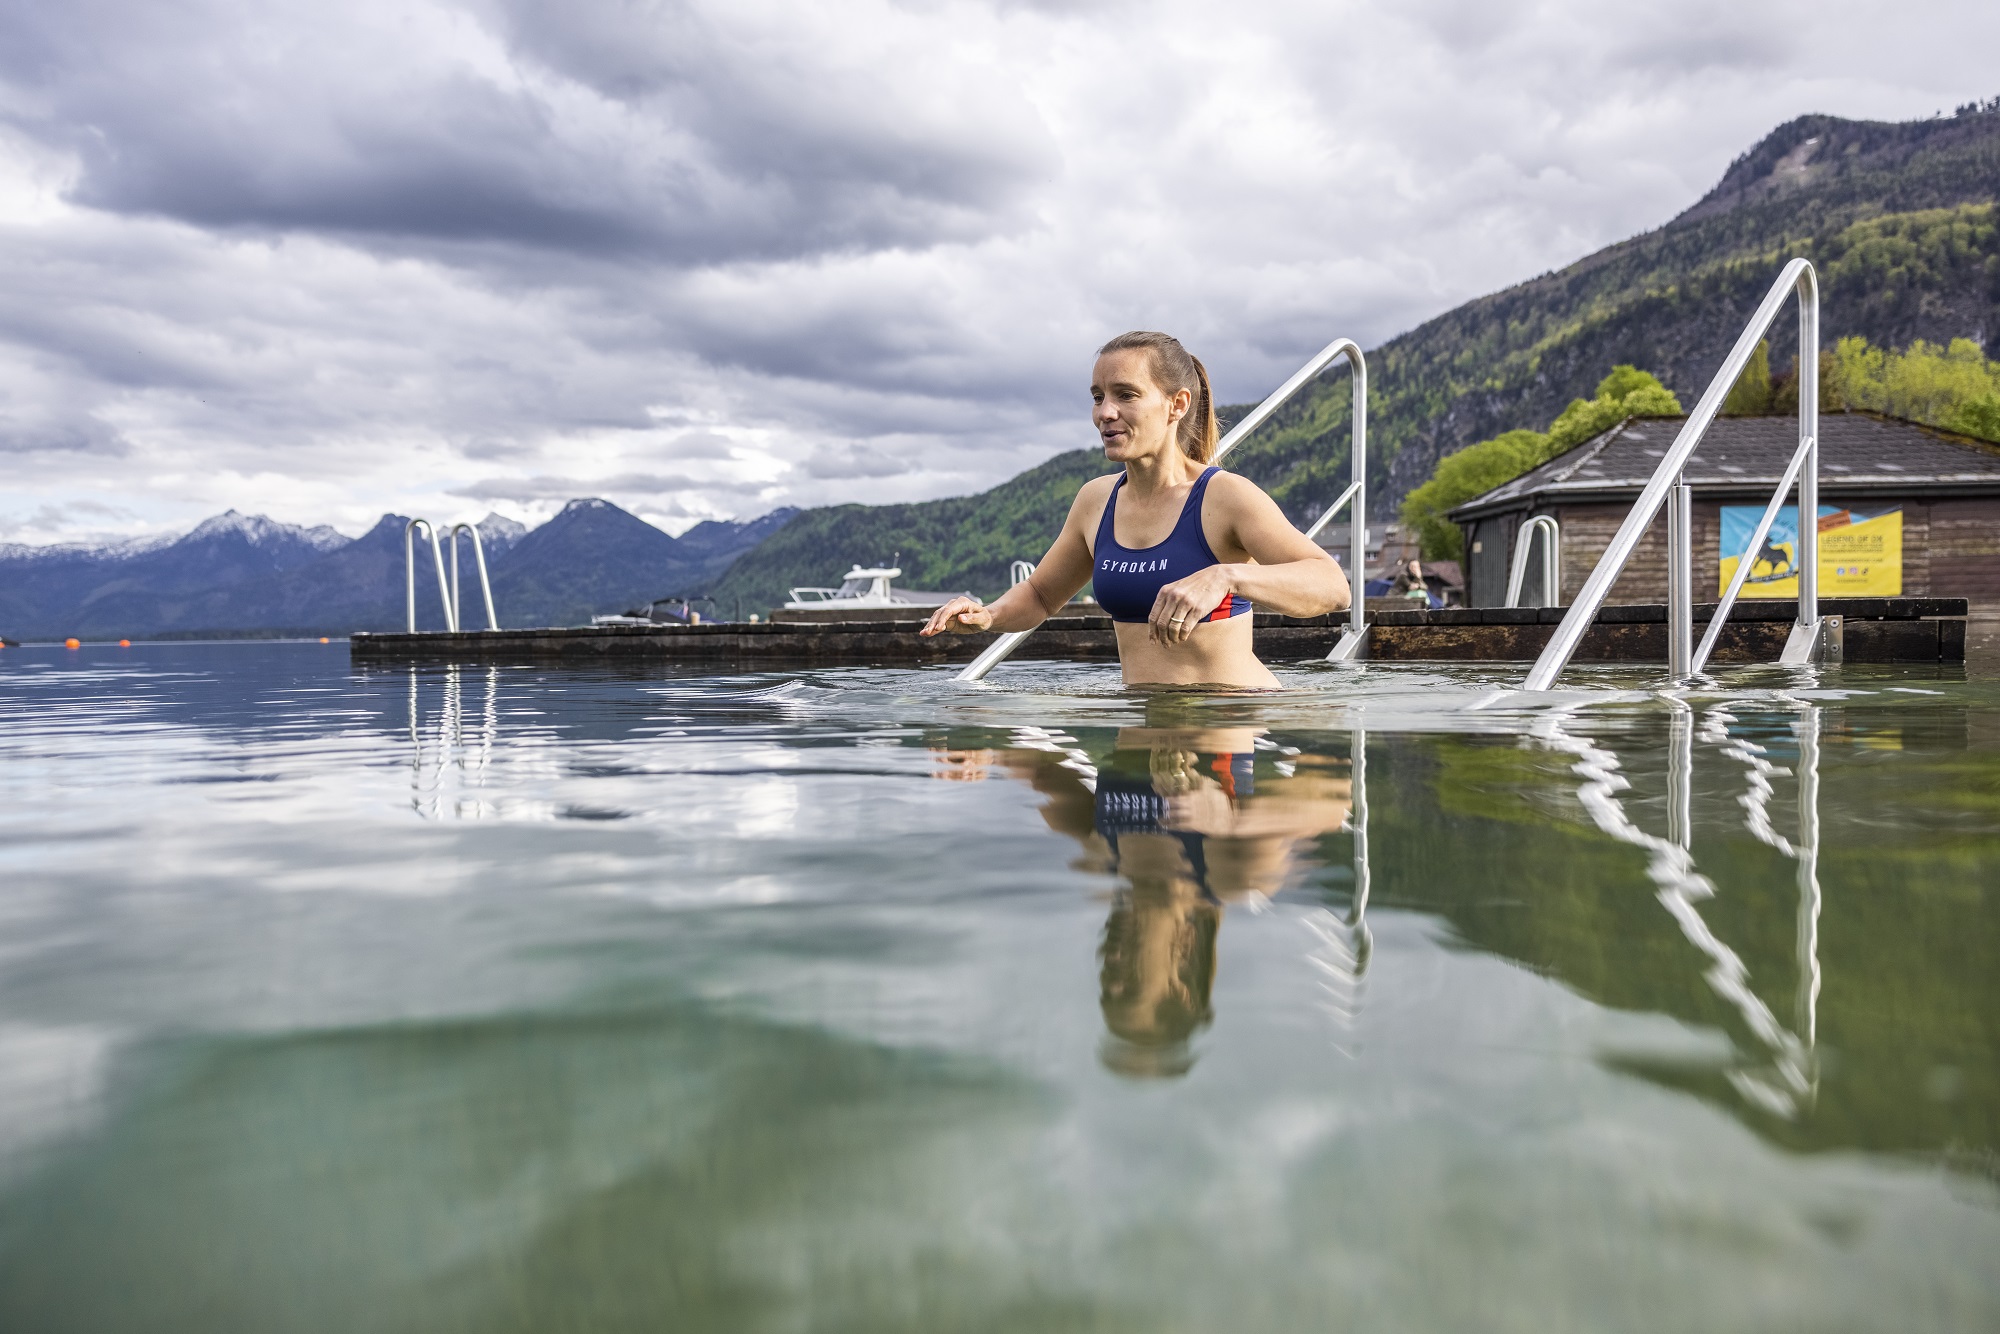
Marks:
<point>1020,571</point>
<point>1763,531</point>
<point>1798,276</point>
<point>410,574</point>
<point>1517,574</point>
<point>479,561</point>
<point>1353,639</point>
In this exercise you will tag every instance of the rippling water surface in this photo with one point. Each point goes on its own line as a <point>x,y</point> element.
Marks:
<point>517,998</point>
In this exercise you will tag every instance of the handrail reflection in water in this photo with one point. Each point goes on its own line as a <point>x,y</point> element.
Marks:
<point>427,779</point>
<point>1345,943</point>
<point>1791,1083</point>
<point>1756,806</point>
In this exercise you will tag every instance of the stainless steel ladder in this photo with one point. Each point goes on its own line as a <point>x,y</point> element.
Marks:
<point>448,590</point>
<point>1809,641</point>
<point>1552,579</point>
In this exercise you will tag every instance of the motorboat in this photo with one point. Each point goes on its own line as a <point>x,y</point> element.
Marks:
<point>865,588</point>
<point>661,611</point>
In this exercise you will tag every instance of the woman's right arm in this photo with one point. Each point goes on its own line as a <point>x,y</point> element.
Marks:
<point>1059,576</point>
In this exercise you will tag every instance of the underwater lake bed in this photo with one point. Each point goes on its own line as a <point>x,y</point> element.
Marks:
<point>438,998</point>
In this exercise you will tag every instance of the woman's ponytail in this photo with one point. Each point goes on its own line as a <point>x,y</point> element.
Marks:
<point>1175,369</point>
<point>1199,430</point>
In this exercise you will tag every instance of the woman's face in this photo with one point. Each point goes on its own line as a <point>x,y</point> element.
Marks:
<point>1135,418</point>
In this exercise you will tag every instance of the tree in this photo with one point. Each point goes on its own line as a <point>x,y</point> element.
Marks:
<point>1477,469</point>
<point>1472,471</point>
<point>1750,396</point>
<point>1955,387</point>
<point>1978,417</point>
<point>1586,419</point>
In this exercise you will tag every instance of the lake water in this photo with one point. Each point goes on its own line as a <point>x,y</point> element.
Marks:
<point>492,999</point>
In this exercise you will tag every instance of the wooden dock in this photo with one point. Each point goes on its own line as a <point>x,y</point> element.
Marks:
<point>1913,630</point>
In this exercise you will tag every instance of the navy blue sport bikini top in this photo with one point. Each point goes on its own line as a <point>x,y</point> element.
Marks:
<point>1129,803</point>
<point>1126,581</point>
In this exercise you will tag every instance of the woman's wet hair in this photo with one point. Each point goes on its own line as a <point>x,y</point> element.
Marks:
<point>1175,369</point>
<point>1151,1021</point>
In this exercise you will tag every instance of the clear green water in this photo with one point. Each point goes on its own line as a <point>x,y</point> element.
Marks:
<point>518,999</point>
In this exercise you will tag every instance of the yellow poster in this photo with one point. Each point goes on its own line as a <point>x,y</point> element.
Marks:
<point>1860,553</point>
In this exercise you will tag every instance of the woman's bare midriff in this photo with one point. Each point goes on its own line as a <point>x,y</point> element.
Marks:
<point>1218,653</point>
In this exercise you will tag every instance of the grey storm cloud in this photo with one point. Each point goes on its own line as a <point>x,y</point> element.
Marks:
<point>81,438</point>
<point>623,484</point>
<point>853,461</point>
<point>593,129</point>
<point>703,257</point>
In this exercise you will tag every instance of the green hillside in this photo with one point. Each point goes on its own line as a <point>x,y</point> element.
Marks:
<point>1899,218</point>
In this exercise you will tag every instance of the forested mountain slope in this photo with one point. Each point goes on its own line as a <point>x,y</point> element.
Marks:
<point>1898,218</point>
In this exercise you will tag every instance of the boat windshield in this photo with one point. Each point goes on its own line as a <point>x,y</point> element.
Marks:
<point>854,588</point>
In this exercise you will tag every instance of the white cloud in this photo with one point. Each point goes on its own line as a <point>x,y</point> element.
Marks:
<point>706,258</point>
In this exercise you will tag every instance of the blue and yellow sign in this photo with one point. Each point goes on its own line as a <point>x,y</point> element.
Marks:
<point>1860,552</point>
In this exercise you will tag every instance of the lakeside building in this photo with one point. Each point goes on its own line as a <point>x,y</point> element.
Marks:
<point>1905,510</point>
<point>1391,548</point>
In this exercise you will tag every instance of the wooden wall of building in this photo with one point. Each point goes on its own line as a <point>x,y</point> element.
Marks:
<point>1951,548</point>
<point>1964,548</point>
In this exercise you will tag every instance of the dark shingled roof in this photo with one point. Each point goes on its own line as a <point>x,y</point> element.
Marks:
<point>1743,457</point>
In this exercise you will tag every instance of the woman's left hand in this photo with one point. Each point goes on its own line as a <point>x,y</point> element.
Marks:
<point>1186,603</point>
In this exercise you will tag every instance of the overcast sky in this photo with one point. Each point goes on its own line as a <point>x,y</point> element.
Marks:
<point>322,261</point>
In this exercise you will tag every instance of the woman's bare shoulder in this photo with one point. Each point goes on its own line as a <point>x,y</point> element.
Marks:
<point>1234,489</point>
<point>1090,497</point>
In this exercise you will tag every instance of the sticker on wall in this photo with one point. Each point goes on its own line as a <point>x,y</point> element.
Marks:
<point>1860,552</point>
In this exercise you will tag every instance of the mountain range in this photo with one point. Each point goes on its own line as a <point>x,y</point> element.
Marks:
<point>239,573</point>
<point>1899,220</point>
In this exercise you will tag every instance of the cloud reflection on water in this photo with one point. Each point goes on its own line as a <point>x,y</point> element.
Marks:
<point>809,1033</point>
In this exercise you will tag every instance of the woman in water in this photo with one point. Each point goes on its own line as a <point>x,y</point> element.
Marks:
<point>1177,549</point>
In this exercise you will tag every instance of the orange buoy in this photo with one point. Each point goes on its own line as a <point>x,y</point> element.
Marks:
<point>124,643</point>
<point>72,643</point>
<point>324,640</point>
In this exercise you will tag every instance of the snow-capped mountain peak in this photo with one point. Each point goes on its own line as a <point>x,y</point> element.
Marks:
<point>323,537</point>
<point>498,532</point>
<point>254,528</point>
<point>265,532</point>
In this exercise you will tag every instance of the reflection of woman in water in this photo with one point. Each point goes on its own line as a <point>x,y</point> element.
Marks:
<point>1181,816</point>
<point>1158,957</point>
